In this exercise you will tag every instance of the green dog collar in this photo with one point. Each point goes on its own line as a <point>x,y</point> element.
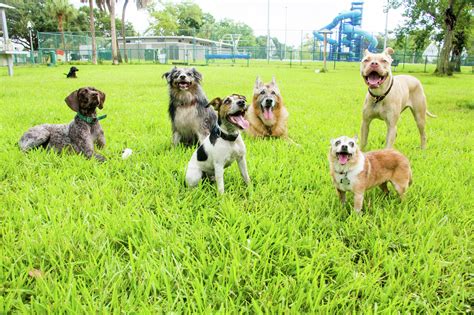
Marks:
<point>90,120</point>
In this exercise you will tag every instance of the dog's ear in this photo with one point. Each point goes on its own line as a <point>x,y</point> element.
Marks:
<point>366,52</point>
<point>389,51</point>
<point>73,101</point>
<point>167,75</point>
<point>216,103</point>
<point>258,83</point>
<point>102,99</point>
<point>197,74</point>
<point>356,138</point>
<point>332,141</point>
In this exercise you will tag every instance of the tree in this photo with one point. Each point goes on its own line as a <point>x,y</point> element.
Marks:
<point>140,4</point>
<point>92,29</point>
<point>185,18</point>
<point>61,9</point>
<point>439,20</point>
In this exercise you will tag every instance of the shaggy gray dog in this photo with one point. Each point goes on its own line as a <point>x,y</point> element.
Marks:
<point>191,117</point>
<point>80,134</point>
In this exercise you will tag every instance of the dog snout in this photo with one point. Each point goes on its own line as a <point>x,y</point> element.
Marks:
<point>344,147</point>
<point>182,77</point>
<point>374,64</point>
<point>268,102</point>
<point>241,103</point>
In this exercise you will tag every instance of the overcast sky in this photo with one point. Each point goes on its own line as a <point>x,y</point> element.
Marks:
<point>301,15</point>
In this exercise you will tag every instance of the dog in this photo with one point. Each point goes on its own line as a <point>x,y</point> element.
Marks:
<point>80,134</point>
<point>352,170</point>
<point>389,95</point>
<point>267,116</point>
<point>191,118</point>
<point>223,146</point>
<point>72,73</point>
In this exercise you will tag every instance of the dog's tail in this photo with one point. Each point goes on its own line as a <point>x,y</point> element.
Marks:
<point>430,114</point>
<point>33,138</point>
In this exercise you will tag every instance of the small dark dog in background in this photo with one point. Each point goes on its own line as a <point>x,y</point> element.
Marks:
<point>191,117</point>
<point>72,73</point>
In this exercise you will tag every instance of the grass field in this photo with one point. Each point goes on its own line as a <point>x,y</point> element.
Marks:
<point>127,236</point>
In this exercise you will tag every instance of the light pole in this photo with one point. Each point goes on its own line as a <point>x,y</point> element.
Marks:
<point>268,32</point>
<point>386,26</point>
<point>30,27</point>
<point>325,33</point>
<point>286,28</point>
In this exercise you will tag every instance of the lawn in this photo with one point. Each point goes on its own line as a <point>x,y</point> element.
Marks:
<point>128,236</point>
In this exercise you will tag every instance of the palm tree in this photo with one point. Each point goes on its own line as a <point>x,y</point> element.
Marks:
<point>140,5</point>
<point>92,28</point>
<point>61,9</point>
<point>110,4</point>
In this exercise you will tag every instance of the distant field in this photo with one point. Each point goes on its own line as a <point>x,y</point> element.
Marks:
<point>128,236</point>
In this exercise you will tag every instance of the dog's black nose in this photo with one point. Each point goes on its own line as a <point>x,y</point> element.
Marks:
<point>182,76</point>
<point>268,102</point>
<point>241,103</point>
<point>344,147</point>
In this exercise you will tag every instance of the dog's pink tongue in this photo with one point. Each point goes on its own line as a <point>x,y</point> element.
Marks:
<point>343,158</point>
<point>240,120</point>
<point>374,79</point>
<point>268,113</point>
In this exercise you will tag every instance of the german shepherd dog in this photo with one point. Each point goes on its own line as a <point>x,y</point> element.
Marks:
<point>267,115</point>
<point>191,117</point>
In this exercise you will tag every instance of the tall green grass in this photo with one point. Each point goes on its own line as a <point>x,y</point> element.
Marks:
<point>128,236</point>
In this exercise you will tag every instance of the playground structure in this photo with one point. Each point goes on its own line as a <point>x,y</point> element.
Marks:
<point>350,37</point>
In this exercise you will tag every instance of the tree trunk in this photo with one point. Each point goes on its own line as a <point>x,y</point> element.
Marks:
<point>443,67</point>
<point>113,33</point>
<point>123,32</point>
<point>60,29</point>
<point>92,27</point>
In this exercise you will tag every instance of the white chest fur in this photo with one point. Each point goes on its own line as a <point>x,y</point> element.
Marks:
<point>186,119</point>
<point>222,152</point>
<point>346,176</point>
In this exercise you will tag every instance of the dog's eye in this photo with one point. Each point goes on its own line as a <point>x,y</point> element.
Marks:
<point>351,144</point>
<point>384,61</point>
<point>262,92</point>
<point>273,93</point>
<point>337,143</point>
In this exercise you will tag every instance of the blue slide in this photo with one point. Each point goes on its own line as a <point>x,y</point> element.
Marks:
<point>350,28</point>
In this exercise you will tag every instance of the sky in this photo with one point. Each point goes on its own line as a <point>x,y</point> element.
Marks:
<point>300,17</point>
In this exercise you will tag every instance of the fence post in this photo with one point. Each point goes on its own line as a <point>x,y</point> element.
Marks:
<point>301,48</point>
<point>291,56</point>
<point>426,61</point>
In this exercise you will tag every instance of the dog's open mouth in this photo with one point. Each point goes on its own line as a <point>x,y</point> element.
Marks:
<point>267,112</point>
<point>343,157</point>
<point>183,85</point>
<point>374,80</point>
<point>238,119</point>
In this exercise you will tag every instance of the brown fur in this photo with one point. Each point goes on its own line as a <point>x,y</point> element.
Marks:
<point>259,126</point>
<point>379,168</point>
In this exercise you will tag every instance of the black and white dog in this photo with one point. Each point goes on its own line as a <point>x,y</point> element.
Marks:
<point>191,118</point>
<point>223,146</point>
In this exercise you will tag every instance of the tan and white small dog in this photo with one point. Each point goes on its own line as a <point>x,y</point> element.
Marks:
<point>388,96</point>
<point>352,170</point>
<point>223,146</point>
<point>267,115</point>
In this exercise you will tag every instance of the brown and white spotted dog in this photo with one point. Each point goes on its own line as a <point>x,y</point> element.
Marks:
<point>352,170</point>
<point>81,134</point>
<point>223,146</point>
<point>191,118</point>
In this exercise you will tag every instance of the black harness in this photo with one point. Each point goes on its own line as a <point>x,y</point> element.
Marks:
<point>217,132</point>
<point>379,98</point>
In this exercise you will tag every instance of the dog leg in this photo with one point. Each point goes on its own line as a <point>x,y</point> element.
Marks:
<point>391,132</point>
<point>176,138</point>
<point>400,187</point>
<point>420,119</point>
<point>86,147</point>
<point>219,173</point>
<point>193,176</point>
<point>358,201</point>
<point>243,170</point>
<point>364,132</point>
<point>342,196</point>
<point>100,141</point>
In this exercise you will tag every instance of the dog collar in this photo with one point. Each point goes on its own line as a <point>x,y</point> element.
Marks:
<point>90,120</point>
<point>379,98</point>
<point>345,180</point>
<point>219,133</point>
